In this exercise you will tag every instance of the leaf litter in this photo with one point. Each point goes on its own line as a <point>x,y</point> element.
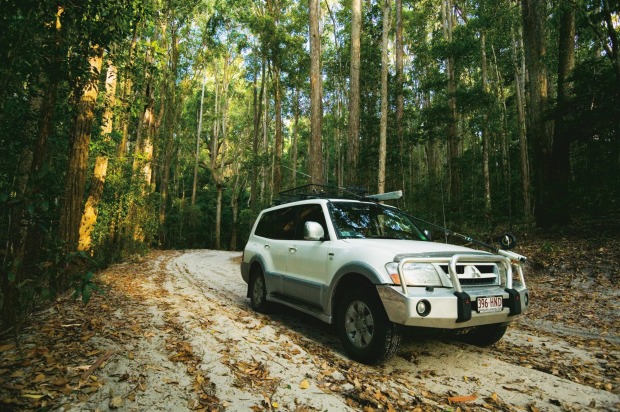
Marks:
<point>162,338</point>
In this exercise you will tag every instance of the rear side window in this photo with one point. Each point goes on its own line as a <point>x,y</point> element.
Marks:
<point>277,224</point>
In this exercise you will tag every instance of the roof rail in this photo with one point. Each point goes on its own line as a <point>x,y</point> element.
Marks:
<point>317,191</point>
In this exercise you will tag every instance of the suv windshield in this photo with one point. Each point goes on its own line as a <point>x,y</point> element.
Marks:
<point>369,220</point>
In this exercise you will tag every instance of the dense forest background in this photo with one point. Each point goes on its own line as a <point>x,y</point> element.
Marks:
<point>132,124</point>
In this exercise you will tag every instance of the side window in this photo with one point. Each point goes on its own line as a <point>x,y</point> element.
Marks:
<point>309,213</point>
<point>277,224</point>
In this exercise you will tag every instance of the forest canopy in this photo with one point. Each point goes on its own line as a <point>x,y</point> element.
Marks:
<point>132,124</point>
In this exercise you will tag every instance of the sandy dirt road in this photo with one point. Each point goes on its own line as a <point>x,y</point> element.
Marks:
<point>184,338</point>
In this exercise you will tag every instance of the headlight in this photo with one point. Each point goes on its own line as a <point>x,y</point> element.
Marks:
<point>416,274</point>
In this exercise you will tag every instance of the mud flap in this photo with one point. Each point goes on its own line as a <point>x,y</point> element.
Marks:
<point>463,302</point>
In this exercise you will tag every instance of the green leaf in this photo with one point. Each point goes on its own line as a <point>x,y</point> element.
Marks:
<point>86,294</point>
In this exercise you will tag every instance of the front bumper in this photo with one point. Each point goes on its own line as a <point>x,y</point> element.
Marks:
<point>454,307</point>
<point>446,309</point>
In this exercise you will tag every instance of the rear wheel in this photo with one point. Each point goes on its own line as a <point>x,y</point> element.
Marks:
<point>258,292</point>
<point>366,333</point>
<point>485,335</point>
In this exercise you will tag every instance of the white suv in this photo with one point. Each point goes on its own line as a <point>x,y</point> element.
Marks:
<point>371,270</point>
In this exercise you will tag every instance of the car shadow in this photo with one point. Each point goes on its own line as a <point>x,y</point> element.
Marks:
<point>315,331</point>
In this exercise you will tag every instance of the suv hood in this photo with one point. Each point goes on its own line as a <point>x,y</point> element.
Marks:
<point>410,247</point>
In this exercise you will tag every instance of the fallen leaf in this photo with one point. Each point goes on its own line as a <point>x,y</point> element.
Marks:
<point>116,402</point>
<point>32,395</point>
<point>9,346</point>
<point>466,398</point>
<point>39,378</point>
<point>304,384</point>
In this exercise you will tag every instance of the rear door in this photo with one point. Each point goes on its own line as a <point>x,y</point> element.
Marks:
<point>274,235</point>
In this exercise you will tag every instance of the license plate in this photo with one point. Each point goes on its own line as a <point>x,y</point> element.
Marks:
<point>490,304</point>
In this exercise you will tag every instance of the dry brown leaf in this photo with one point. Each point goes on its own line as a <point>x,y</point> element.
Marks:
<point>39,378</point>
<point>6,347</point>
<point>466,398</point>
<point>116,402</point>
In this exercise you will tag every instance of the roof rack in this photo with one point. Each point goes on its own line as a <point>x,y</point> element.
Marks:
<point>316,191</point>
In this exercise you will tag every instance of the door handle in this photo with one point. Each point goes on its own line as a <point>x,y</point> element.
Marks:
<point>267,246</point>
<point>292,249</point>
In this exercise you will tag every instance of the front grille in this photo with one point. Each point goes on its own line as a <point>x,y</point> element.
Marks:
<point>460,269</point>
<point>486,274</point>
<point>477,281</point>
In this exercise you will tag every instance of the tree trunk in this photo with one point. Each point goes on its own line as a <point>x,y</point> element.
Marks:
<point>143,154</point>
<point>295,136</point>
<point>354,93</point>
<point>315,161</point>
<point>89,216</point>
<point>485,134</point>
<point>198,134</point>
<point>237,189</point>
<point>71,213</point>
<point>170,124</point>
<point>387,8</point>
<point>277,171</point>
<point>258,113</point>
<point>519,65</point>
<point>534,13</point>
<point>560,155</point>
<point>400,98</point>
<point>453,138</point>
<point>127,87</point>
<point>218,217</point>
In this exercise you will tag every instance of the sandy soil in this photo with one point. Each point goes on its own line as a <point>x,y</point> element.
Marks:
<point>184,338</point>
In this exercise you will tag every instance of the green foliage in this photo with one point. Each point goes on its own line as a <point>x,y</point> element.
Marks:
<point>42,70</point>
<point>85,287</point>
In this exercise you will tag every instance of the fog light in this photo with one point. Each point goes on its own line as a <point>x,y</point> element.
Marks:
<point>423,307</point>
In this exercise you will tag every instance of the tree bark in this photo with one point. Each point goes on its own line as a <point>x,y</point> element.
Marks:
<point>453,138</point>
<point>519,66</point>
<point>400,98</point>
<point>315,161</point>
<point>277,170</point>
<point>91,209</point>
<point>71,213</point>
<point>198,134</point>
<point>387,9</point>
<point>560,154</point>
<point>354,93</point>
<point>295,137</point>
<point>258,113</point>
<point>485,134</point>
<point>168,132</point>
<point>534,13</point>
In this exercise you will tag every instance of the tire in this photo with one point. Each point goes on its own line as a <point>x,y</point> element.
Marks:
<point>258,292</point>
<point>365,331</point>
<point>485,335</point>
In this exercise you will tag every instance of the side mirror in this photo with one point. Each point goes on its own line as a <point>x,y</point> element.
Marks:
<point>507,241</point>
<point>313,231</point>
<point>428,234</point>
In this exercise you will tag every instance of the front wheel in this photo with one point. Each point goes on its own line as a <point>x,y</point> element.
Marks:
<point>485,335</point>
<point>366,333</point>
